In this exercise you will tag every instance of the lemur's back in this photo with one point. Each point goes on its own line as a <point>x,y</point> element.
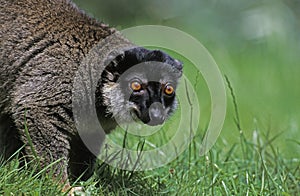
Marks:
<point>49,34</point>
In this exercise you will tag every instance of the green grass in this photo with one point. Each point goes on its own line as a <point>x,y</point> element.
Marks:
<point>26,179</point>
<point>251,166</point>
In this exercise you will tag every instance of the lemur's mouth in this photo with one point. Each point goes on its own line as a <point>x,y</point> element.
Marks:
<point>151,120</point>
<point>135,112</point>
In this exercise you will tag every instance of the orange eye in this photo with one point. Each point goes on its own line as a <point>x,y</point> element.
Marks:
<point>136,86</point>
<point>169,90</point>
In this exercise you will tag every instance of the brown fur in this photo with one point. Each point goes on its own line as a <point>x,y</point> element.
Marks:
<point>41,45</point>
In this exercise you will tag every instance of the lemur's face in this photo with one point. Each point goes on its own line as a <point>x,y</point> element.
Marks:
<point>150,89</point>
<point>142,86</point>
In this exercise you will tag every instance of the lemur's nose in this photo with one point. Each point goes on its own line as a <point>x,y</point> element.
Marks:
<point>156,114</point>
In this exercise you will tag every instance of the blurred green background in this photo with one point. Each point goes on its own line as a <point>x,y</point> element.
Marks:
<point>255,43</point>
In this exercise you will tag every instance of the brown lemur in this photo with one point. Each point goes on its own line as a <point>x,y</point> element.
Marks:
<point>42,44</point>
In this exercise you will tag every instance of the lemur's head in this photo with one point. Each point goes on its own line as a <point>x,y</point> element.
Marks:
<point>140,84</point>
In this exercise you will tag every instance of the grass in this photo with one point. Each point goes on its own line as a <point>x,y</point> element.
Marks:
<point>251,166</point>
<point>27,179</point>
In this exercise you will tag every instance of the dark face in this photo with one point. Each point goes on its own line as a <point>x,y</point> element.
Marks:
<point>150,88</point>
<point>141,83</point>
